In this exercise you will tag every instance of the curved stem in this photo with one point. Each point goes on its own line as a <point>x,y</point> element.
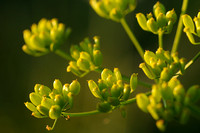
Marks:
<point>133,100</point>
<point>133,38</point>
<point>180,26</point>
<point>160,38</point>
<point>63,54</point>
<point>80,114</point>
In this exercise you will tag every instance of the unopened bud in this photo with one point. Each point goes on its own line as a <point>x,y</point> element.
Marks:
<point>94,88</point>
<point>117,74</point>
<point>74,87</point>
<point>83,64</point>
<point>147,71</point>
<point>30,106</point>
<point>43,110</point>
<point>188,23</point>
<point>142,101</point>
<point>57,85</point>
<point>44,90</point>
<point>55,112</point>
<point>98,58</point>
<point>161,125</point>
<point>142,21</point>
<point>126,92</point>
<point>152,25</point>
<point>35,98</point>
<point>133,81</point>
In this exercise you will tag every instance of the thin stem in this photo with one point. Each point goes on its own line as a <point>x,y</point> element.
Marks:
<point>51,128</point>
<point>133,100</point>
<point>80,114</point>
<point>193,60</point>
<point>63,54</point>
<point>132,37</point>
<point>160,38</point>
<point>190,63</point>
<point>127,79</point>
<point>180,26</point>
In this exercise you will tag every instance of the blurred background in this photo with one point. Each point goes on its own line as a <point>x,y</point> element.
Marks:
<point>20,72</point>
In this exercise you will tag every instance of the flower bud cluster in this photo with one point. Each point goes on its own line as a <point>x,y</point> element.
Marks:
<point>44,37</point>
<point>113,9</point>
<point>169,101</point>
<point>50,103</point>
<point>164,21</point>
<point>161,65</point>
<point>111,90</point>
<point>87,57</point>
<point>190,29</point>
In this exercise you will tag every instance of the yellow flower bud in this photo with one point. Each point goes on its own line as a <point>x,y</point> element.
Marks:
<point>35,98</point>
<point>105,73</point>
<point>57,85</point>
<point>152,110</point>
<point>55,112</point>
<point>152,25</point>
<point>117,74</point>
<point>126,92</point>
<point>142,21</point>
<point>30,106</point>
<point>98,58</point>
<point>115,91</point>
<point>94,88</point>
<point>158,8</point>
<point>148,56</point>
<point>171,15</point>
<point>142,101</point>
<point>147,71</point>
<point>83,64</point>
<point>47,102</point>
<point>133,81</point>
<point>188,23</point>
<point>160,125</point>
<point>43,110</point>
<point>74,87</point>
<point>179,92</point>
<point>44,90</point>
<point>161,20</point>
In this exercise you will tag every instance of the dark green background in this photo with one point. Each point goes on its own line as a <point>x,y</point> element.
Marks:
<point>20,72</point>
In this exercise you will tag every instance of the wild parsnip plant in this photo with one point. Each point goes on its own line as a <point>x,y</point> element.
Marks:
<point>167,100</point>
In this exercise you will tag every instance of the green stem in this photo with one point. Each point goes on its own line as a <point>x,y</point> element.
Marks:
<point>133,100</point>
<point>63,54</point>
<point>51,128</point>
<point>190,63</point>
<point>81,114</point>
<point>193,60</point>
<point>132,37</point>
<point>127,79</point>
<point>180,26</point>
<point>160,38</point>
